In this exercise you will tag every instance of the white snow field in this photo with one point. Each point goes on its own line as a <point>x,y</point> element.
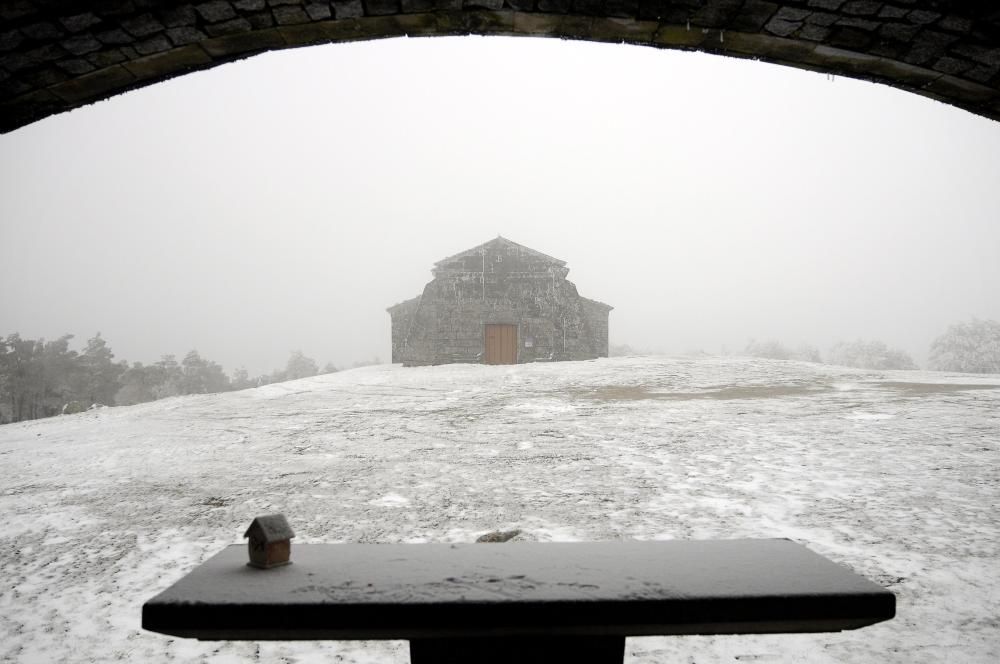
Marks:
<point>895,475</point>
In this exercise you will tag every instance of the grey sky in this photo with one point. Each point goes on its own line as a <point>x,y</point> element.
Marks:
<point>283,202</point>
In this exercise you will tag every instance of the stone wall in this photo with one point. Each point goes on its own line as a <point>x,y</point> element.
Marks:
<point>447,322</point>
<point>59,55</point>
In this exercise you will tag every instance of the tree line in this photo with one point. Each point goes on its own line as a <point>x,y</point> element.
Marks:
<point>967,347</point>
<point>40,378</point>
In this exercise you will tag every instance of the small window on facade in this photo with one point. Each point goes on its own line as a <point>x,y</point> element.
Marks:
<point>499,259</point>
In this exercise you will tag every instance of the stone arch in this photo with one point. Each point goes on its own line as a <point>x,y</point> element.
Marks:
<point>56,55</point>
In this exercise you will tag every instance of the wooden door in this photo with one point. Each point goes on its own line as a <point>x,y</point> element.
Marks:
<point>501,344</point>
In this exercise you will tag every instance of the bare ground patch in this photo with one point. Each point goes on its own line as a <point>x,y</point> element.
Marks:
<point>934,388</point>
<point>641,392</point>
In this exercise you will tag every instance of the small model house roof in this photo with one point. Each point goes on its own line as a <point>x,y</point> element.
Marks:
<point>270,528</point>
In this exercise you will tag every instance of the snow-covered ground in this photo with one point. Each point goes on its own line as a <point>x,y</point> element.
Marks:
<point>893,474</point>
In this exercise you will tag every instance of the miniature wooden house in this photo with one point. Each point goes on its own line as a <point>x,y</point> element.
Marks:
<point>270,542</point>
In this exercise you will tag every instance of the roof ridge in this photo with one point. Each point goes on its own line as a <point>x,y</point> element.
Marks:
<point>501,238</point>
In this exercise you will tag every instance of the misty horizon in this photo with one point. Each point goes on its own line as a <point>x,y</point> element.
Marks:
<point>284,202</point>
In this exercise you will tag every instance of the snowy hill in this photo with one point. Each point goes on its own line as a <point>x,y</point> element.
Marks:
<point>893,474</point>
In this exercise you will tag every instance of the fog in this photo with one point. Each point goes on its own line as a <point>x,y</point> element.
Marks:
<point>283,202</point>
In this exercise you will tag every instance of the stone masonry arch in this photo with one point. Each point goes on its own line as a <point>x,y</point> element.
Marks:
<point>56,55</point>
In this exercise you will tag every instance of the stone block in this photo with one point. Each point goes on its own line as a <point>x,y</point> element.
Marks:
<point>13,87</point>
<point>306,34</point>
<point>81,44</point>
<point>291,15</point>
<point>42,31</point>
<point>850,38</point>
<point>260,20</point>
<point>10,39</point>
<point>574,27</point>
<point>782,28</point>
<point>831,5</point>
<point>982,73</point>
<point>716,14</point>
<point>859,23</point>
<point>889,11</point>
<point>889,48</point>
<point>536,24</point>
<point>46,53</point>
<point>416,25</point>
<point>75,66</point>
<point>163,65</point>
<point>319,11</point>
<point>958,24</point>
<point>493,5</point>
<point>655,10</point>
<point>381,7</point>
<point>15,9</point>
<point>822,18</point>
<point>112,8</point>
<point>102,59</point>
<point>767,47</point>
<point>679,35</point>
<point>814,32</point>
<point>953,66</point>
<point>176,17</point>
<point>142,26</point>
<point>415,6</point>
<point>185,35</point>
<point>613,8</point>
<point>229,46</point>
<point>625,30</point>
<point>479,22</point>
<point>753,16</point>
<point>348,9</point>
<point>249,5</point>
<point>588,7</point>
<point>899,31</point>
<point>44,77</point>
<point>155,44</point>
<point>230,27</point>
<point>959,89</point>
<point>554,6</point>
<point>922,16</point>
<point>80,22</point>
<point>114,37</point>
<point>861,7</point>
<point>899,72</point>
<point>791,14</point>
<point>95,85</point>
<point>215,11</point>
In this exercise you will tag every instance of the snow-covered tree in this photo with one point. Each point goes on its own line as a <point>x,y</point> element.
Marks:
<point>972,347</point>
<point>872,354</point>
<point>300,366</point>
<point>241,380</point>
<point>201,376</point>
<point>772,349</point>
<point>98,378</point>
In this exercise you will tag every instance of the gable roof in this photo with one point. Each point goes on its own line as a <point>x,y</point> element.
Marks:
<point>272,527</point>
<point>500,242</point>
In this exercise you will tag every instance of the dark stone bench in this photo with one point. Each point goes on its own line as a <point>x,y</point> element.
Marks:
<point>519,602</point>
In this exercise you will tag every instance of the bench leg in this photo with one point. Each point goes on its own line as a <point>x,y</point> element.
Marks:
<point>519,650</point>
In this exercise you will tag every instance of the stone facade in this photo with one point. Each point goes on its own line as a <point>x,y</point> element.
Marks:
<point>498,283</point>
<point>56,56</point>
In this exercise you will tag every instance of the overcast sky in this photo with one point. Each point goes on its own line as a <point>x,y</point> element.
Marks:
<point>285,201</point>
